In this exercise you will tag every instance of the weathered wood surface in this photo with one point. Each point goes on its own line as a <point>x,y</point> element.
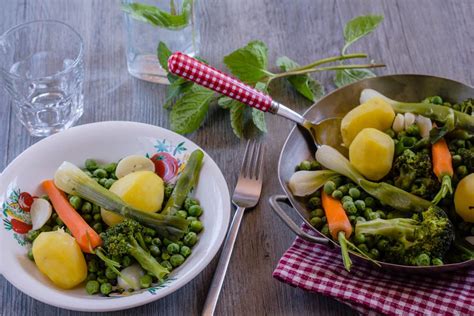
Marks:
<point>424,36</point>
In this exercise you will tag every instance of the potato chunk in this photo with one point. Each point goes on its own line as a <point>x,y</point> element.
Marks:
<point>371,153</point>
<point>60,258</point>
<point>464,198</point>
<point>143,190</point>
<point>375,113</point>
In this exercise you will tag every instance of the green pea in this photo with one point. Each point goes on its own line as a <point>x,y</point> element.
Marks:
<point>401,134</point>
<point>92,287</point>
<point>100,173</point>
<point>359,239</point>
<point>329,187</point>
<point>315,165</point>
<point>461,171</point>
<point>156,241</point>
<point>75,202</point>
<point>88,173</point>
<point>126,261</point>
<point>436,100</point>
<point>173,248</point>
<point>457,159</point>
<point>196,226</point>
<point>360,205</point>
<point>102,279</point>
<point>147,239</point>
<point>91,276</point>
<point>165,255</point>
<point>91,164</point>
<point>374,253</point>
<point>382,244</point>
<point>149,232</point>
<point>176,260</point>
<point>369,201</point>
<point>155,250</point>
<point>108,183</point>
<point>100,273</point>
<point>381,214</point>
<point>363,248</point>
<point>110,167</point>
<point>45,228</point>
<point>305,165</point>
<point>346,198</point>
<point>460,143</point>
<point>325,230</point>
<point>373,215</point>
<point>422,260</point>
<point>360,219</point>
<point>68,231</point>
<point>105,288</point>
<point>95,209</point>
<point>86,207</point>
<point>317,193</point>
<point>185,251</point>
<point>92,266</point>
<point>390,132</point>
<point>102,180</point>
<point>413,130</point>
<point>437,262</point>
<point>316,222</point>
<point>96,217</point>
<point>182,214</point>
<point>317,213</point>
<point>95,179</point>
<point>195,210</point>
<point>32,234</point>
<point>191,218</point>
<point>145,281</point>
<point>337,194</point>
<point>344,189</point>
<point>30,255</point>
<point>324,219</point>
<point>190,239</point>
<point>350,207</point>
<point>87,217</point>
<point>314,202</point>
<point>354,193</point>
<point>166,264</point>
<point>110,274</point>
<point>352,219</point>
<point>98,227</point>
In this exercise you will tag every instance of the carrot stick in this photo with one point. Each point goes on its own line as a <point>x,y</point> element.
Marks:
<point>86,237</point>
<point>442,168</point>
<point>336,216</point>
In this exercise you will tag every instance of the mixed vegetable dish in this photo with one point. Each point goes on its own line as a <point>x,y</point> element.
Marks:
<point>406,193</point>
<point>117,227</point>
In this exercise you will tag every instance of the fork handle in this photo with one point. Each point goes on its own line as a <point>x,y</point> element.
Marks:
<point>192,69</point>
<point>221,270</point>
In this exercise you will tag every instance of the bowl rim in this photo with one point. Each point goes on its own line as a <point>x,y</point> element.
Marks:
<point>114,304</point>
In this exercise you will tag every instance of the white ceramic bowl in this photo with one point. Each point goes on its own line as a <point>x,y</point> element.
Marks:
<point>107,141</point>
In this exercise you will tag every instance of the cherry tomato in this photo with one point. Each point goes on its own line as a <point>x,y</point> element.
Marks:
<point>24,201</point>
<point>166,166</point>
<point>20,227</point>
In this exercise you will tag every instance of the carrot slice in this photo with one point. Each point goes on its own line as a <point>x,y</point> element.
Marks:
<point>442,160</point>
<point>336,216</point>
<point>86,236</point>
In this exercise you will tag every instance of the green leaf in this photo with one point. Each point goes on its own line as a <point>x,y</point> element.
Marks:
<point>190,110</point>
<point>237,111</point>
<point>249,63</point>
<point>225,102</point>
<point>163,53</point>
<point>347,76</point>
<point>160,18</point>
<point>258,119</point>
<point>175,89</point>
<point>360,27</point>
<point>304,84</point>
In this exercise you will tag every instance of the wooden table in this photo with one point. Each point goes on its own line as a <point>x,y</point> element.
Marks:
<point>424,36</point>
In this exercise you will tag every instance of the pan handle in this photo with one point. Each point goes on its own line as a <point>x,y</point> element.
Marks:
<point>275,201</point>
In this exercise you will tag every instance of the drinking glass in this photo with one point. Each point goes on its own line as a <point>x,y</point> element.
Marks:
<point>42,67</point>
<point>143,37</point>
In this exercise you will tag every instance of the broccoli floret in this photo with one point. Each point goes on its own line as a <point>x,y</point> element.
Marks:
<point>125,239</point>
<point>413,173</point>
<point>413,241</point>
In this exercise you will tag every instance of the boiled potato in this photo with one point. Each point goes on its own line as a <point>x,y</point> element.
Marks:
<point>375,113</point>
<point>60,258</point>
<point>464,198</point>
<point>143,190</point>
<point>371,153</point>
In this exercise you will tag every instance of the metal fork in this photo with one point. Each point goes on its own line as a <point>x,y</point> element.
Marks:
<point>246,195</point>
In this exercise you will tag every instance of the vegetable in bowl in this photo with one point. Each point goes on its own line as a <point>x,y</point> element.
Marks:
<point>407,215</point>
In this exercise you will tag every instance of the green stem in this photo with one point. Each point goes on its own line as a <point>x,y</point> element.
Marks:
<point>346,259</point>
<point>307,71</point>
<point>445,188</point>
<point>330,60</point>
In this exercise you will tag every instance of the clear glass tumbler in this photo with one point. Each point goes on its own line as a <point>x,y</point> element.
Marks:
<point>144,34</point>
<point>42,66</point>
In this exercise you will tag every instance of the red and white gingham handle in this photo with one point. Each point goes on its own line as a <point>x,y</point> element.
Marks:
<point>192,69</point>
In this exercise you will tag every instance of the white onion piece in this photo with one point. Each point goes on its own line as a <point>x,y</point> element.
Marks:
<point>470,239</point>
<point>303,183</point>
<point>40,213</point>
<point>425,125</point>
<point>132,274</point>
<point>368,94</point>
<point>398,123</point>
<point>410,119</point>
<point>133,163</point>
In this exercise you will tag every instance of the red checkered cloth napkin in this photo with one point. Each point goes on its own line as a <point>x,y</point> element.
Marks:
<point>318,269</point>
